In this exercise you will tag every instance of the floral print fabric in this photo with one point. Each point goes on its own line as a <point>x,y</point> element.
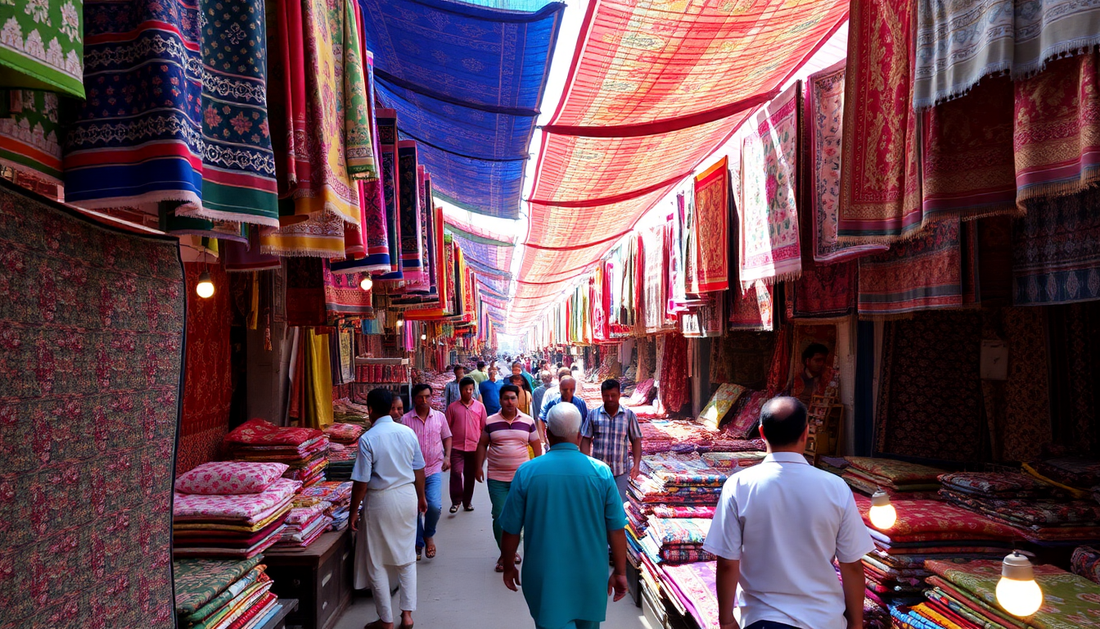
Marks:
<point>198,581</point>
<point>931,520</point>
<point>229,478</point>
<point>899,472</point>
<point>240,507</point>
<point>257,432</point>
<point>42,45</point>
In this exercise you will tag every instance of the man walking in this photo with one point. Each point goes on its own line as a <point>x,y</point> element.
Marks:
<point>776,531</point>
<point>611,434</point>
<point>537,395</point>
<point>490,391</point>
<point>566,506</point>
<point>504,443</point>
<point>567,387</point>
<point>389,473</point>
<point>452,392</point>
<point>479,374</point>
<point>518,370</point>
<point>466,419</point>
<point>434,436</point>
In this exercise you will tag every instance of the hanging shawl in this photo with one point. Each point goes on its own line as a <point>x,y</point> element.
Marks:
<point>42,46</point>
<point>880,177</point>
<point>752,309</point>
<point>677,286</point>
<point>712,227</point>
<point>343,296</point>
<point>824,126</point>
<point>387,146</point>
<point>653,302</point>
<point>29,142</point>
<point>770,249</point>
<point>408,195</point>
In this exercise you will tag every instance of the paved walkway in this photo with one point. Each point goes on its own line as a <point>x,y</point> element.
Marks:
<point>459,590</point>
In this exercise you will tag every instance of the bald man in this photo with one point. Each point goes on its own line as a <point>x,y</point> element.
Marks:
<point>567,508</point>
<point>567,388</point>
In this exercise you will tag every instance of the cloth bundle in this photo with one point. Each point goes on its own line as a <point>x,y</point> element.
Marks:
<point>897,478</point>
<point>304,525</point>
<point>1074,475</point>
<point>335,494</point>
<point>679,540</point>
<point>692,587</point>
<point>230,525</point>
<point>728,461</point>
<point>345,434</point>
<point>222,593</point>
<point>684,436</point>
<point>1038,510</point>
<point>302,449</point>
<point>348,412</point>
<point>341,461</point>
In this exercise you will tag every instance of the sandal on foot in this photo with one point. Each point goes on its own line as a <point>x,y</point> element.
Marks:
<point>499,568</point>
<point>519,560</point>
<point>470,508</point>
<point>430,551</point>
<point>454,508</point>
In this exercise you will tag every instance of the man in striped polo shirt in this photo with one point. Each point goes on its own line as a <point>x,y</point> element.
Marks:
<point>504,443</point>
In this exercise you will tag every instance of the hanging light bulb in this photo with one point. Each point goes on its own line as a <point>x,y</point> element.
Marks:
<point>400,322</point>
<point>1017,591</point>
<point>366,283</point>
<point>205,287</point>
<point>883,515</point>
<point>423,337</point>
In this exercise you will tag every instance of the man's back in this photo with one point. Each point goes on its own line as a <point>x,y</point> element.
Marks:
<point>785,521</point>
<point>389,454</point>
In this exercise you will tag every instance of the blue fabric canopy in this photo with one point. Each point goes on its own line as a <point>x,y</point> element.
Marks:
<point>466,82</point>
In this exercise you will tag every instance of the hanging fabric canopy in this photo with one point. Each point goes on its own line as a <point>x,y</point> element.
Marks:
<point>466,82</point>
<point>674,86</point>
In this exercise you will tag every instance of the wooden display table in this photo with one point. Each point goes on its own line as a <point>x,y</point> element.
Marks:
<point>278,621</point>
<point>319,577</point>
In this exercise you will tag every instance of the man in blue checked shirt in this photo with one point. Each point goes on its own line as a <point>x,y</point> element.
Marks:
<point>608,430</point>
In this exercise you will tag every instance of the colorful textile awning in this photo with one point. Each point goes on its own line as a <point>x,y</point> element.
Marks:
<point>671,86</point>
<point>466,82</point>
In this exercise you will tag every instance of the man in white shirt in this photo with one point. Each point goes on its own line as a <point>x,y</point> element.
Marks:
<point>776,530</point>
<point>389,473</point>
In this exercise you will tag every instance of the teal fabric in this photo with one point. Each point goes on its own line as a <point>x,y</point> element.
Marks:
<point>564,503</point>
<point>498,494</point>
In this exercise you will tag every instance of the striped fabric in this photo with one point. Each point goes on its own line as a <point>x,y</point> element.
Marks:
<point>508,444</point>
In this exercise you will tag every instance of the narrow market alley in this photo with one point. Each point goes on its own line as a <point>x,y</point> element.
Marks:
<point>459,590</point>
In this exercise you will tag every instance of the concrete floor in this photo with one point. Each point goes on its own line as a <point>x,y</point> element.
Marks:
<point>459,590</point>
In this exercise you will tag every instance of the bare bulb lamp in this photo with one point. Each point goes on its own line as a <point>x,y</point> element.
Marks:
<point>1017,591</point>
<point>882,514</point>
<point>205,287</point>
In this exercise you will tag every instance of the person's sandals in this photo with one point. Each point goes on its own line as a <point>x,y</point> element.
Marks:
<point>499,568</point>
<point>469,508</point>
<point>454,508</point>
<point>519,560</point>
<point>429,551</point>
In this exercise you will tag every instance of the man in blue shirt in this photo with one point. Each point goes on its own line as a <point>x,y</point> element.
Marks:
<point>567,387</point>
<point>490,392</point>
<point>567,508</point>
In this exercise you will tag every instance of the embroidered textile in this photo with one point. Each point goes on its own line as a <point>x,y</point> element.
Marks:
<point>720,404</point>
<point>895,472</point>
<point>343,295</point>
<point>911,422</point>
<point>932,520</point>
<point>674,390</point>
<point>199,581</point>
<point>824,126</point>
<point>1085,562</point>
<point>249,508</point>
<point>966,154</point>
<point>753,309</point>
<point>695,582</point>
<point>933,271</point>
<point>29,141</point>
<point>711,228</point>
<point>408,198</point>
<point>1056,251</point>
<point>1057,129</point>
<point>824,291</point>
<point>92,334</point>
<point>748,416</point>
<point>768,218</point>
<point>880,172</point>
<point>229,477</point>
<point>42,46</point>
<point>137,139</point>
<point>992,484</point>
<point>655,279</point>
<point>257,432</point>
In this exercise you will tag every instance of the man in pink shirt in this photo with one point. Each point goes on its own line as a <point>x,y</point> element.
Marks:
<point>466,419</point>
<point>434,436</point>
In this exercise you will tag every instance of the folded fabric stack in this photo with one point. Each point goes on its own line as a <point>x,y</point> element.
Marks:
<point>230,509</point>
<point>345,434</point>
<point>901,480</point>
<point>684,436</point>
<point>677,479</point>
<point>304,450</point>
<point>1079,477</point>
<point>690,590</point>
<point>341,461</point>
<point>1085,562</point>
<point>730,461</point>
<point>348,412</point>
<point>221,593</point>
<point>304,525</point>
<point>677,540</point>
<point>1040,511</point>
<point>964,595</point>
<point>926,529</point>
<point>335,495</point>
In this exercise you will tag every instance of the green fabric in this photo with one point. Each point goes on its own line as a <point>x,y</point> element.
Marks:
<point>228,608</point>
<point>564,503</point>
<point>42,45</point>
<point>498,494</point>
<point>199,581</point>
<point>33,129</point>
<point>357,128</point>
<point>218,602</point>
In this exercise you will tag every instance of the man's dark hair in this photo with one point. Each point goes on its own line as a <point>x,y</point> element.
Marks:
<point>813,349</point>
<point>379,401</point>
<point>783,420</point>
<point>417,388</point>
<point>517,364</point>
<point>609,384</point>
<point>457,367</point>
<point>481,364</point>
<point>509,388</point>
<point>467,382</point>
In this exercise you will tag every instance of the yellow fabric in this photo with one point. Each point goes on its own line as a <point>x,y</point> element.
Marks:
<point>259,526</point>
<point>931,614</point>
<point>317,408</point>
<point>1076,493</point>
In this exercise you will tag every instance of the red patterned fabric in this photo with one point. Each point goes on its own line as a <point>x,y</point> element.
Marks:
<point>932,520</point>
<point>674,369</point>
<point>257,432</point>
<point>823,290</point>
<point>208,383</point>
<point>753,309</point>
<point>305,292</point>
<point>880,178</point>
<point>712,228</point>
<point>779,372</point>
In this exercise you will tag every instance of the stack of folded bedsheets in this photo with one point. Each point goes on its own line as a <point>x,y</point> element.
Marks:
<point>304,525</point>
<point>684,436</point>
<point>303,450</point>
<point>230,509</point>
<point>335,495</point>
<point>223,593</point>
<point>345,434</point>
<point>341,461</point>
<point>899,479</point>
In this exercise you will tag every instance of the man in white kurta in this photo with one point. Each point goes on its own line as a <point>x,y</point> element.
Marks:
<point>389,482</point>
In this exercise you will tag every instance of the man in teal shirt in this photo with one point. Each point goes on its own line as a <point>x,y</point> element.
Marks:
<point>568,509</point>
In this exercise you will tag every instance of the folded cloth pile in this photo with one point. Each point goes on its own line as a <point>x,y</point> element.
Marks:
<point>677,540</point>
<point>1085,562</point>
<point>677,479</point>
<point>230,509</point>
<point>1040,511</point>
<point>348,412</point>
<point>1074,475</point>
<point>964,594</point>
<point>335,494</point>
<point>346,434</point>
<point>341,461</point>
<point>304,525</point>
<point>302,449</point>
<point>690,588</point>
<point>223,593</point>
<point>926,529</point>
<point>745,416</point>
<point>729,461</point>
<point>901,480</point>
<point>684,436</point>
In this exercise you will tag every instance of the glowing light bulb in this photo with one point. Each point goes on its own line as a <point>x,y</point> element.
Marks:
<point>1017,591</point>
<point>882,514</point>
<point>205,287</point>
<point>400,322</point>
<point>366,283</point>
<point>423,337</point>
